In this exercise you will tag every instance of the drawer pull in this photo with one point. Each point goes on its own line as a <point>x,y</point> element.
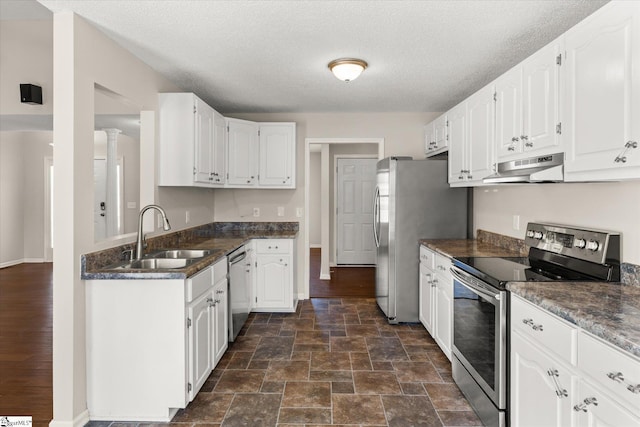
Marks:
<point>619,378</point>
<point>616,376</point>
<point>635,389</point>
<point>560,392</point>
<point>583,406</point>
<point>533,325</point>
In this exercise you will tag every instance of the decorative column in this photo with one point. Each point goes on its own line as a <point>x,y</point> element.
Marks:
<point>111,211</point>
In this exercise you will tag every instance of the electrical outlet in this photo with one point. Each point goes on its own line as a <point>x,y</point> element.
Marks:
<point>516,222</point>
<point>256,212</point>
<point>187,217</point>
<point>280,210</point>
<point>299,212</point>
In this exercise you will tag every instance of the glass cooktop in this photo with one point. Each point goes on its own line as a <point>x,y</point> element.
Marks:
<point>498,271</point>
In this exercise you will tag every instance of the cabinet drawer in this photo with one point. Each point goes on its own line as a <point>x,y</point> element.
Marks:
<point>612,368</point>
<point>427,257</point>
<point>199,283</point>
<point>273,246</point>
<point>219,270</point>
<point>551,332</point>
<point>442,265</point>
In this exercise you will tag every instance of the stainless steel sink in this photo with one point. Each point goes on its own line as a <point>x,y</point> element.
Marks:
<point>156,263</point>
<point>182,253</point>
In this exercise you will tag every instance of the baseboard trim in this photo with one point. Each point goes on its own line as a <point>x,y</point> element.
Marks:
<point>22,261</point>
<point>325,277</point>
<point>11,263</point>
<point>315,246</point>
<point>79,421</point>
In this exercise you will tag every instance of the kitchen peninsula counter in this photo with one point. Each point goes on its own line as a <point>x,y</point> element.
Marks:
<point>220,238</point>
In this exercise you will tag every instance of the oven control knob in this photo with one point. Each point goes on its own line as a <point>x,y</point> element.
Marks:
<point>530,233</point>
<point>580,243</point>
<point>593,245</point>
<point>537,235</point>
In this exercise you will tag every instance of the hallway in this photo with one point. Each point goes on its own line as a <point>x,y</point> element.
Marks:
<point>345,281</point>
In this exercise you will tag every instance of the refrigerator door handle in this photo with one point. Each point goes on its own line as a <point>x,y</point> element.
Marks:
<point>376,216</point>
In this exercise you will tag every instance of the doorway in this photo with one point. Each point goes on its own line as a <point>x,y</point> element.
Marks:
<point>325,209</point>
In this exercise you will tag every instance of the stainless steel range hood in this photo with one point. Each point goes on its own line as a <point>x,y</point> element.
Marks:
<point>548,168</point>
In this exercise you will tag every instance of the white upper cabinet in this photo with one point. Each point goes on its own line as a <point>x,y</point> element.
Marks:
<point>471,139</point>
<point>242,151</point>
<point>192,142</point>
<point>527,106</point>
<point>436,137</point>
<point>602,95</point>
<point>277,155</point>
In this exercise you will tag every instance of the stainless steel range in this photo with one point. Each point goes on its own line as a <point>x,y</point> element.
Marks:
<point>481,304</point>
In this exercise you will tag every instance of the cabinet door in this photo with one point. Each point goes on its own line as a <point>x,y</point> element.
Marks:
<point>509,113</point>
<point>541,388</point>
<point>242,153</point>
<point>220,321</point>
<point>277,154</point>
<point>443,314</point>
<point>440,132</point>
<point>540,101</point>
<point>595,408</point>
<point>480,134</point>
<point>203,142</point>
<point>273,281</point>
<point>457,142</point>
<point>602,96</point>
<point>219,151</point>
<point>200,344</point>
<point>426,298</point>
<point>429,138</point>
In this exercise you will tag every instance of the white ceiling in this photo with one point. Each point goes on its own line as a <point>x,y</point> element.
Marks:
<point>272,56</point>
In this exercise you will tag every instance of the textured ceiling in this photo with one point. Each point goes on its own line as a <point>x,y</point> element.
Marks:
<point>272,56</point>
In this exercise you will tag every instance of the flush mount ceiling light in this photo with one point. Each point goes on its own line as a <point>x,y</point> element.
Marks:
<point>347,69</point>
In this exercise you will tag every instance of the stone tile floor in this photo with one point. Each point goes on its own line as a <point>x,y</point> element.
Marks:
<point>332,362</point>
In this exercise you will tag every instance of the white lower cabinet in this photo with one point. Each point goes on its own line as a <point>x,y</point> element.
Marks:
<point>558,380</point>
<point>436,297</point>
<point>427,304</point>
<point>274,275</point>
<point>151,344</point>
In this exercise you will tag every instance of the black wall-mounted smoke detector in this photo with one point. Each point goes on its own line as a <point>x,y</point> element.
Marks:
<point>30,94</point>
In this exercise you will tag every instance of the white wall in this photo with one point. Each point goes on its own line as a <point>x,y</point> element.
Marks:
<point>26,56</point>
<point>22,208</point>
<point>11,198</point>
<point>612,206</point>
<point>314,199</point>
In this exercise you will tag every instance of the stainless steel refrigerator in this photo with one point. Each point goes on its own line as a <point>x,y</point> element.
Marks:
<point>412,201</point>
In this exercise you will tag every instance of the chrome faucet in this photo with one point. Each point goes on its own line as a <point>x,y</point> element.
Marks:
<point>140,241</point>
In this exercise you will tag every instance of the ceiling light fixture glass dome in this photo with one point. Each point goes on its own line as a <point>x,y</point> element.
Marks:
<point>347,69</point>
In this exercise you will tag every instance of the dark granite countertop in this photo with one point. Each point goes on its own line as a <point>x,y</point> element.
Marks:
<point>610,311</point>
<point>468,248</point>
<point>221,241</point>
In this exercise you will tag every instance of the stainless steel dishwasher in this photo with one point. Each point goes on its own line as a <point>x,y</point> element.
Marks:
<point>239,295</point>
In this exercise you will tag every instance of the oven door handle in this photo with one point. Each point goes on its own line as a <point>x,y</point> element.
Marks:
<point>457,274</point>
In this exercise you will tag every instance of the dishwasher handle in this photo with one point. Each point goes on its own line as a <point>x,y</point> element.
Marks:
<point>236,259</point>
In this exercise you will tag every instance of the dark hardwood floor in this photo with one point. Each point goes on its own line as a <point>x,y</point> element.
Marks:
<point>345,281</point>
<point>26,325</point>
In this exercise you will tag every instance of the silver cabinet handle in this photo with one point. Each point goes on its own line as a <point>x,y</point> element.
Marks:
<point>528,144</point>
<point>219,292</point>
<point>616,376</point>
<point>635,389</point>
<point>515,139</point>
<point>586,402</point>
<point>560,392</point>
<point>533,325</point>
<point>622,158</point>
<point>511,148</point>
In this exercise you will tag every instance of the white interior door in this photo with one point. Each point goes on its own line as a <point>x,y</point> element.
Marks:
<point>356,182</point>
